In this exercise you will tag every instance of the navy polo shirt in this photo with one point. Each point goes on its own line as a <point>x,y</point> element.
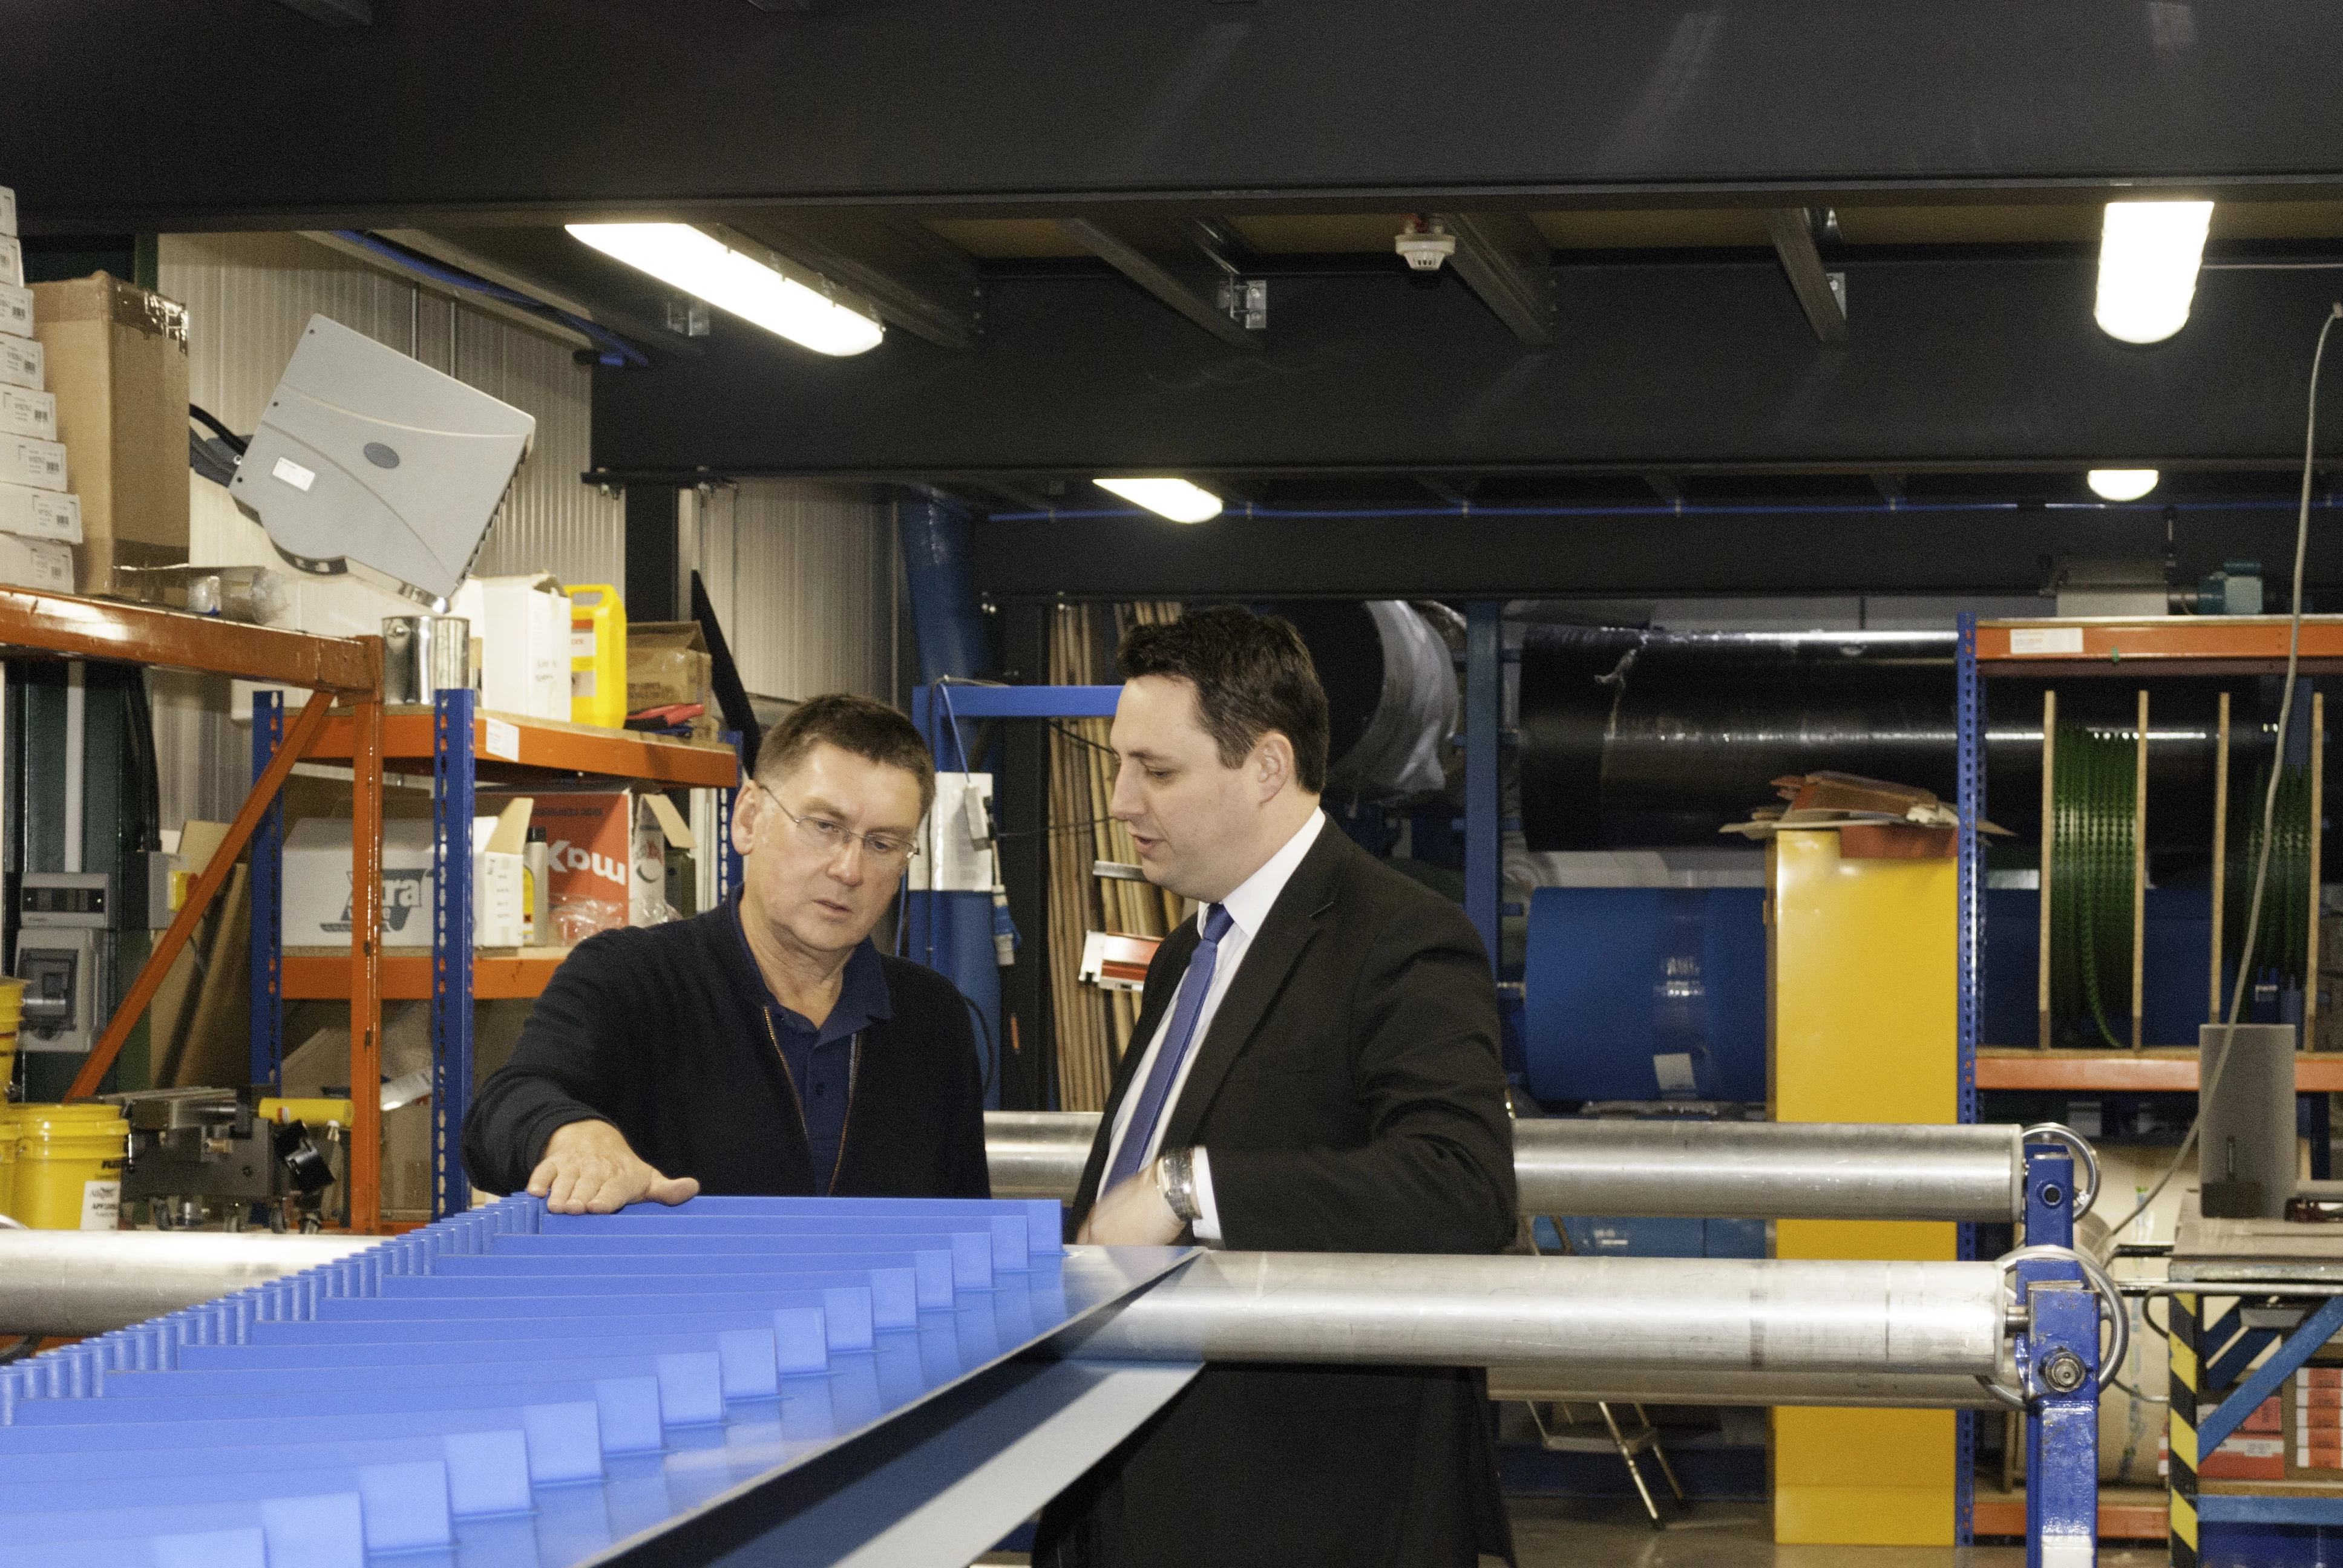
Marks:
<point>820,1062</point>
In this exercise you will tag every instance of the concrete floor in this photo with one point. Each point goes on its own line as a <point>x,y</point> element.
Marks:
<point>1571,1532</point>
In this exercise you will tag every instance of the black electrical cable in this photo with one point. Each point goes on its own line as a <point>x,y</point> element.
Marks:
<point>238,444</point>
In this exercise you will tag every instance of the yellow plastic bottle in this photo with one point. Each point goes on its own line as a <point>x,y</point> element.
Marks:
<point>597,657</point>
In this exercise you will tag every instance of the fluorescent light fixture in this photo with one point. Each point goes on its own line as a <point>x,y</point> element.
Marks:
<point>2122,484</point>
<point>1174,499</point>
<point>805,311</point>
<point>2148,252</point>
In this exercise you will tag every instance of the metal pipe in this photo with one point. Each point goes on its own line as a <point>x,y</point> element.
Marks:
<point>1705,1170</point>
<point>1600,1316</point>
<point>1876,1390</point>
<point>93,1281</point>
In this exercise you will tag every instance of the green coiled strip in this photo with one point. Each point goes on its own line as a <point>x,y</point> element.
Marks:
<point>2093,786</point>
<point>2283,937</point>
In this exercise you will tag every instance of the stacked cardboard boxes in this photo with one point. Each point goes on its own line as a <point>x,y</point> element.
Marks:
<point>40,517</point>
<point>2314,1423</point>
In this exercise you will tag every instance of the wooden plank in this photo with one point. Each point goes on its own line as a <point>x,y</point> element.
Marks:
<point>2127,1520</point>
<point>2158,1068</point>
<point>148,634</point>
<point>321,974</point>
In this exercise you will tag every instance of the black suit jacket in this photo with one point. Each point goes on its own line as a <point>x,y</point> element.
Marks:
<point>1352,1094</point>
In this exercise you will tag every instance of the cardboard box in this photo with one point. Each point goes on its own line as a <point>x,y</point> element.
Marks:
<point>520,632</point>
<point>118,361</point>
<point>666,663</point>
<point>23,363</point>
<point>2313,1401</point>
<point>318,883</point>
<point>7,210</point>
<point>606,859</point>
<point>40,514</point>
<point>43,564</point>
<point>16,310</point>
<point>24,412</point>
<point>39,465</point>
<point>12,261</point>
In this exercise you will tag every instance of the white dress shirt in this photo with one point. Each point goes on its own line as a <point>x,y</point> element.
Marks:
<point>1248,907</point>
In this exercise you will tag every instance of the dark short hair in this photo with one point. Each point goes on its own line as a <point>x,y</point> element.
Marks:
<point>871,730</point>
<point>1251,674</point>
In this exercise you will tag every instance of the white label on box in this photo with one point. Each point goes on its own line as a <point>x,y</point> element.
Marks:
<point>39,514</point>
<point>24,461</point>
<point>24,412</point>
<point>293,473</point>
<point>2046,640</point>
<point>16,310</point>
<point>12,261</point>
<point>503,739</point>
<point>7,210</point>
<point>20,362</point>
<point>101,1205</point>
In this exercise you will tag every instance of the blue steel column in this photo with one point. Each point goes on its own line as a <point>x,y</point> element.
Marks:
<point>451,947</point>
<point>2062,1470</point>
<point>268,902</point>
<point>1968,698</point>
<point>1484,705</point>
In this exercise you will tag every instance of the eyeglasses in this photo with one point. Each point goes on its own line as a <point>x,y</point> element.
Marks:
<point>884,849</point>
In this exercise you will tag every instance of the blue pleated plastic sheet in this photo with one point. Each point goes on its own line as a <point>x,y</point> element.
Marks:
<point>513,1387</point>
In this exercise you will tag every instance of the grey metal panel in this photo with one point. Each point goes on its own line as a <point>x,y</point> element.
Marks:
<point>802,577</point>
<point>1379,105</point>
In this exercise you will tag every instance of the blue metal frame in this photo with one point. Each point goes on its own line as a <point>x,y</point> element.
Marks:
<point>1969,801</point>
<point>1484,717</point>
<point>267,942</point>
<point>2062,1429</point>
<point>451,947</point>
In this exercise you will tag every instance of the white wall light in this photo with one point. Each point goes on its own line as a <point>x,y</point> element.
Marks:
<point>2122,484</point>
<point>707,268</point>
<point>1174,499</point>
<point>2148,254</point>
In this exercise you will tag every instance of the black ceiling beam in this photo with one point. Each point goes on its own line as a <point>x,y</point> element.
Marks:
<point>1491,554</point>
<point>1509,264</point>
<point>1170,259</point>
<point>1679,369</point>
<point>917,281</point>
<point>538,110</point>
<point>1819,291</point>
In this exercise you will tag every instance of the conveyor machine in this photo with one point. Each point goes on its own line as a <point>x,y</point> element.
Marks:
<point>902,1381</point>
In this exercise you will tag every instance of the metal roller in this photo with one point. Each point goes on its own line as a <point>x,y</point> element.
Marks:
<point>1703,1170</point>
<point>81,1283</point>
<point>1871,1391</point>
<point>1602,1315</point>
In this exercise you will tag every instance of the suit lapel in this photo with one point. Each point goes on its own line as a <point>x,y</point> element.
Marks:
<point>1171,963</point>
<point>1291,925</point>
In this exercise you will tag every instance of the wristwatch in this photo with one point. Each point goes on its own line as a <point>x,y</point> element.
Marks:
<point>1175,1178</point>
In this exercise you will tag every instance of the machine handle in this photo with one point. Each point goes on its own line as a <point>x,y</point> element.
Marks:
<point>2112,1309</point>
<point>2086,1163</point>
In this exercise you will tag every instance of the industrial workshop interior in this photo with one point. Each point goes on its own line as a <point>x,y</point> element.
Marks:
<point>1240,783</point>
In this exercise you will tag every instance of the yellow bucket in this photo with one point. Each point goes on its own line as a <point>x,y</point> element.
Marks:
<point>12,1009</point>
<point>69,1161</point>
<point>8,1159</point>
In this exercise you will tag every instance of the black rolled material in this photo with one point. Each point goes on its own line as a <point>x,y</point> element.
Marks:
<point>1634,739</point>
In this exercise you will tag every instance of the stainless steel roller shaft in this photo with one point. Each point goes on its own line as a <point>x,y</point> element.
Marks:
<point>1612,1317</point>
<point>1708,1170</point>
<point>91,1283</point>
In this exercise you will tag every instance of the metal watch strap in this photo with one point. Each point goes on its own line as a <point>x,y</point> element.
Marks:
<point>1175,1177</point>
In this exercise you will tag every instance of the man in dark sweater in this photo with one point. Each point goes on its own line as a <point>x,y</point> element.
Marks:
<point>765,1047</point>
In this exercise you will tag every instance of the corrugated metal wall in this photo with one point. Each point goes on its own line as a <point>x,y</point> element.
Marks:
<point>803,580</point>
<point>248,295</point>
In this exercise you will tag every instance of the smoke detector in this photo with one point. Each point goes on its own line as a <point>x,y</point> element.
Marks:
<point>1424,246</point>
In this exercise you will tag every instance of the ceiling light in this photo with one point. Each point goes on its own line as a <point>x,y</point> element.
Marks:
<point>805,311</point>
<point>1174,499</point>
<point>2148,252</point>
<point>2122,484</point>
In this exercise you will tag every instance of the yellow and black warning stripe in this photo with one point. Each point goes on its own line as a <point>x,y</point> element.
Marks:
<point>2185,1376</point>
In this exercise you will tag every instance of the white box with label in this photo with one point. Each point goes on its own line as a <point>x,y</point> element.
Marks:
<point>7,210</point>
<point>39,463</point>
<point>21,363</point>
<point>24,412</point>
<point>522,625</point>
<point>16,310</point>
<point>40,514</point>
<point>43,564</point>
<point>317,885</point>
<point>12,261</point>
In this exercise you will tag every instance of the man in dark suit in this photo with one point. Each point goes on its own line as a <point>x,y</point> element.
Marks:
<point>1315,1067</point>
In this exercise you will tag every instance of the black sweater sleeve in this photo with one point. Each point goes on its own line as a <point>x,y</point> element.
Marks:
<point>577,1061</point>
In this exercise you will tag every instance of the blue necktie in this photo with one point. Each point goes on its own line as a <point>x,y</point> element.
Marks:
<point>1140,1130</point>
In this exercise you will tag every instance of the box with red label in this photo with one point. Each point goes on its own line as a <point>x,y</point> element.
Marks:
<point>2313,1398</point>
<point>606,859</point>
<point>2254,1451</point>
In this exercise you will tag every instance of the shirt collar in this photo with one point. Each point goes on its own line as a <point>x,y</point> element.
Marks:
<point>1249,906</point>
<point>862,993</point>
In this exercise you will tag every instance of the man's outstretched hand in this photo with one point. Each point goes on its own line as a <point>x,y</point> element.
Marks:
<point>587,1168</point>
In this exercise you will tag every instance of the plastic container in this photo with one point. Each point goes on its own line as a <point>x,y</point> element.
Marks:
<point>536,909</point>
<point>69,1160</point>
<point>8,1159</point>
<point>11,1011</point>
<point>597,657</point>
